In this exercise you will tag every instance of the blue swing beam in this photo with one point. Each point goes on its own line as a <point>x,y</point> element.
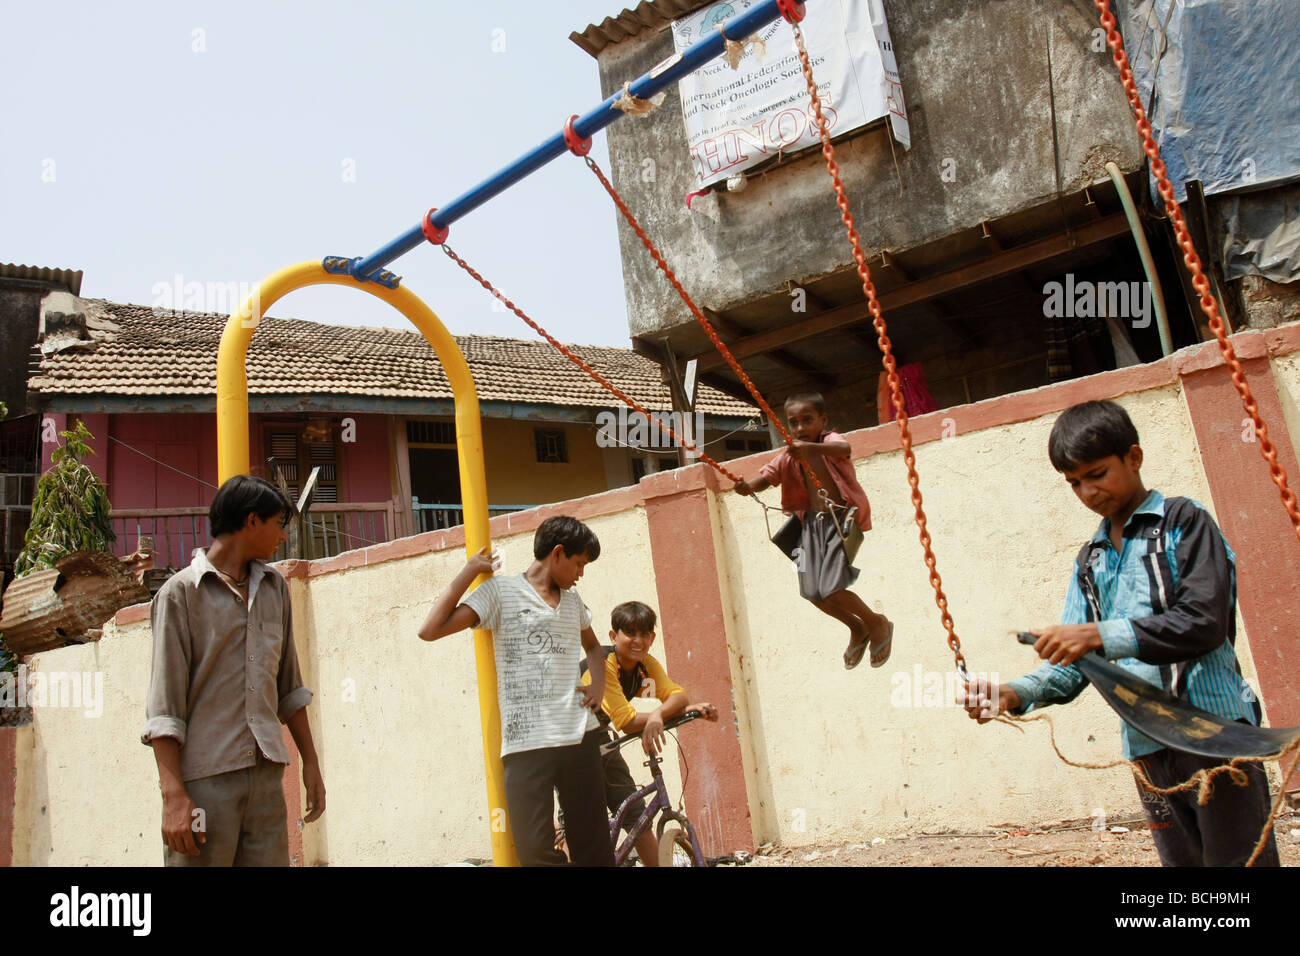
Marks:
<point>372,267</point>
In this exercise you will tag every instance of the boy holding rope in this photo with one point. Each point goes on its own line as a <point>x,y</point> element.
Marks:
<point>1156,591</point>
<point>825,571</point>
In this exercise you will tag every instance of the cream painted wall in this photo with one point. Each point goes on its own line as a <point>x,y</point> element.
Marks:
<point>1286,375</point>
<point>87,791</point>
<point>853,755</point>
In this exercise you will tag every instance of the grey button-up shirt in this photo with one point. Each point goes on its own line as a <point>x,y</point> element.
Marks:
<point>225,674</point>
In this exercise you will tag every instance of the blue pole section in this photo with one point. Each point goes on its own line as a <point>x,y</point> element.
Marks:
<point>644,87</point>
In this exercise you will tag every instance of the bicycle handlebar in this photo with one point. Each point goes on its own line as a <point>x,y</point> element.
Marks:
<point>677,721</point>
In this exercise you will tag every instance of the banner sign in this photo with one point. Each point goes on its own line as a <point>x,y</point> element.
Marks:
<point>738,118</point>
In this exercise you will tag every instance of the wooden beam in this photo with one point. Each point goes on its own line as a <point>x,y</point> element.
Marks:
<point>722,383</point>
<point>735,330</point>
<point>819,305</point>
<point>728,387</point>
<point>997,265</point>
<point>954,322</point>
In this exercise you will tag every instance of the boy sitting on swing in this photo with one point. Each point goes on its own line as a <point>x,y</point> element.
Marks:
<point>1156,591</point>
<point>830,522</point>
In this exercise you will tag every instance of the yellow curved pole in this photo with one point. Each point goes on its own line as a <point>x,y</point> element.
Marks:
<point>232,459</point>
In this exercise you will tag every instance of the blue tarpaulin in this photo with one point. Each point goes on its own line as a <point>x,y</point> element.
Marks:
<point>1226,111</point>
<point>1227,81</point>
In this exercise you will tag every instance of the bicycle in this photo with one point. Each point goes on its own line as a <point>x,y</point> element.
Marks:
<point>678,844</point>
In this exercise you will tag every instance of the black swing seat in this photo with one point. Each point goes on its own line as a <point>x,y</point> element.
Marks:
<point>1175,723</point>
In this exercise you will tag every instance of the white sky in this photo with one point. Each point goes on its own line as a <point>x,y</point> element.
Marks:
<point>225,165</point>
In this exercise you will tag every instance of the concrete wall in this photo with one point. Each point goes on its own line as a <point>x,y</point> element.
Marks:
<point>804,752</point>
<point>20,315</point>
<point>902,756</point>
<point>975,81</point>
<point>86,790</point>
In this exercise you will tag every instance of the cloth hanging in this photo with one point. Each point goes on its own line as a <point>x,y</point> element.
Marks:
<point>915,393</point>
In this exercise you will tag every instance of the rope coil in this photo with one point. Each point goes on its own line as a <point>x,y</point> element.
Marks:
<point>1202,780</point>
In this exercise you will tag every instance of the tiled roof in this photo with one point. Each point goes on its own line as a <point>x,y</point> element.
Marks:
<point>175,354</point>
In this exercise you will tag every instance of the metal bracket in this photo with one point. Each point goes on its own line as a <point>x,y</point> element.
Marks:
<point>342,266</point>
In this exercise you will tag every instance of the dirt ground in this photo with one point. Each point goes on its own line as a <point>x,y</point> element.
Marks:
<point>1067,843</point>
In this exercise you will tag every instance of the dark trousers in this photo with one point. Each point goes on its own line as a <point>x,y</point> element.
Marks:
<point>1221,833</point>
<point>531,778</point>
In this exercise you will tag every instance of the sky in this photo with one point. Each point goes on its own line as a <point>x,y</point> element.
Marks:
<point>155,145</point>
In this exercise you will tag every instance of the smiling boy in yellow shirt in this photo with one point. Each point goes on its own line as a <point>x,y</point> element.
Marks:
<point>631,672</point>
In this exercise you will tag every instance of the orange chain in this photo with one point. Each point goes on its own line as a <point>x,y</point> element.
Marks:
<point>699,317</point>
<point>1193,263</point>
<point>878,321</point>
<point>578,361</point>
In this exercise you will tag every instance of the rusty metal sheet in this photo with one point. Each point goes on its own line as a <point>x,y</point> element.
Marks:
<point>67,603</point>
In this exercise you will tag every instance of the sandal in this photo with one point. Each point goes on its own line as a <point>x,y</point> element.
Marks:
<point>881,654</point>
<point>853,653</point>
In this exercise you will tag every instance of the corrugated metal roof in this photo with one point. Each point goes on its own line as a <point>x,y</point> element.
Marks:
<point>62,278</point>
<point>646,15</point>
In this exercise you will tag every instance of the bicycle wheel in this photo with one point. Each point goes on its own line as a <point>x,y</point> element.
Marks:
<point>675,847</point>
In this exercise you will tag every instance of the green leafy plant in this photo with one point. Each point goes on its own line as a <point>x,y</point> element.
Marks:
<point>71,509</point>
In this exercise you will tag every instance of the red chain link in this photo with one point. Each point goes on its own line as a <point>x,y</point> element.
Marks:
<point>878,321</point>
<point>578,361</point>
<point>1193,263</point>
<point>699,317</point>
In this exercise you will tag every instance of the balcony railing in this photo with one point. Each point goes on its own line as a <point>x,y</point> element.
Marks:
<point>328,529</point>
<point>176,532</point>
<point>436,517</point>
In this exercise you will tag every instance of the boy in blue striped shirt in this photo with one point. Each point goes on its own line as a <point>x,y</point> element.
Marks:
<point>1155,590</point>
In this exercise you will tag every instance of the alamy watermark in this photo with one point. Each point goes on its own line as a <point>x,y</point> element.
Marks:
<point>636,430</point>
<point>82,690</point>
<point>921,688</point>
<point>126,910</point>
<point>172,298</point>
<point>1128,301</point>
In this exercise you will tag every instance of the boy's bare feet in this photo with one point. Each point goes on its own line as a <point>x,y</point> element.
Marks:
<point>859,638</point>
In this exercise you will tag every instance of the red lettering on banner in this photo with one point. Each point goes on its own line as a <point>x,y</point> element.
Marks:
<point>734,147</point>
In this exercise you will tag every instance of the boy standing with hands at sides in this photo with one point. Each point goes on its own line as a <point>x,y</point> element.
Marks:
<point>825,573</point>
<point>550,739</point>
<point>223,623</point>
<point>631,672</point>
<point>1155,590</point>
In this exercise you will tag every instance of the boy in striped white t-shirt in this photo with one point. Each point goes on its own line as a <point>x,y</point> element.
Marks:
<point>550,739</point>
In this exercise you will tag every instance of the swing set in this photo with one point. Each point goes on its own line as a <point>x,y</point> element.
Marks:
<point>1161,716</point>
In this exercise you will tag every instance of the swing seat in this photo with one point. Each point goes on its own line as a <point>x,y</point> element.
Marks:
<point>1175,723</point>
